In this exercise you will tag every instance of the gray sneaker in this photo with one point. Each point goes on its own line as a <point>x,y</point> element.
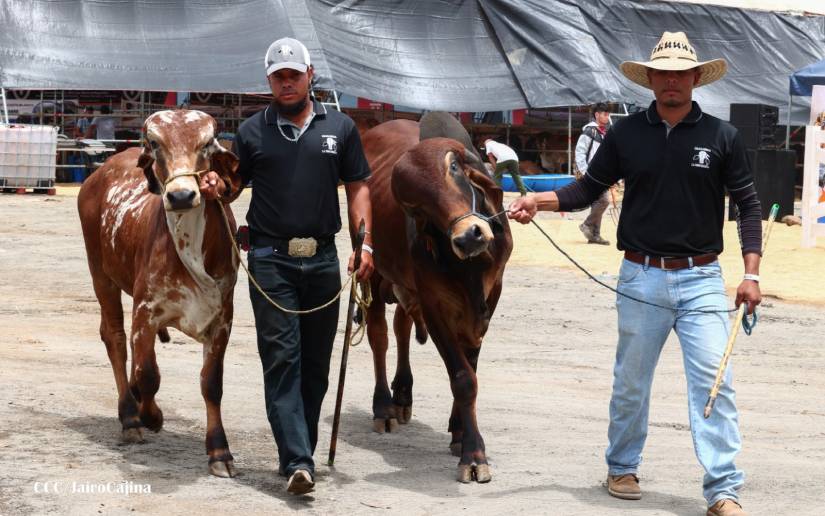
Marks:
<point>597,239</point>
<point>587,231</point>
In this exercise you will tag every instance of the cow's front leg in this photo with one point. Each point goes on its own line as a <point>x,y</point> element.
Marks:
<point>221,462</point>
<point>403,382</point>
<point>456,430</point>
<point>145,367</point>
<point>473,463</point>
<point>383,415</point>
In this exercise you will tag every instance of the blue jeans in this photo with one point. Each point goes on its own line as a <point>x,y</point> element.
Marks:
<point>643,330</point>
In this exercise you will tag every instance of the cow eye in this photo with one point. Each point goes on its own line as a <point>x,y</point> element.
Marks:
<point>454,166</point>
<point>153,144</point>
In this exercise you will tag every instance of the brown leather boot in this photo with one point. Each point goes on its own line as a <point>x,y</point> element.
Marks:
<point>726,507</point>
<point>624,486</point>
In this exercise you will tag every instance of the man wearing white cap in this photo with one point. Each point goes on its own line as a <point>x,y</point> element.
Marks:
<point>676,163</point>
<point>295,152</point>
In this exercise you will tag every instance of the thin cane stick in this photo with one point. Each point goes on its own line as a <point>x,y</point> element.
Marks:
<point>714,391</point>
<point>342,375</point>
<point>723,364</point>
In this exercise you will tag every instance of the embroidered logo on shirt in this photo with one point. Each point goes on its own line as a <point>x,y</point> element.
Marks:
<point>329,144</point>
<point>702,158</point>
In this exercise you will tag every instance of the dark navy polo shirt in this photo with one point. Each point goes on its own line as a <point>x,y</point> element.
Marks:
<point>295,190</point>
<point>674,182</point>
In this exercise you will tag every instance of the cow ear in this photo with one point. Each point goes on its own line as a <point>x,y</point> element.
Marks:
<point>472,159</point>
<point>492,191</point>
<point>145,162</point>
<point>225,163</point>
<point>480,175</point>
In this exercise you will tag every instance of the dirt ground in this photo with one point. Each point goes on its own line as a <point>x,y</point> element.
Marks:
<point>544,377</point>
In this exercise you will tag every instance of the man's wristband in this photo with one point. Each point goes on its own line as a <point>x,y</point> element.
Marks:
<point>752,277</point>
<point>367,248</point>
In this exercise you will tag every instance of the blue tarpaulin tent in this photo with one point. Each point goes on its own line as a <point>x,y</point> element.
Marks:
<point>803,81</point>
<point>802,84</point>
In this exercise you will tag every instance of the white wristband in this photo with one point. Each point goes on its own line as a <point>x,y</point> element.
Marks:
<point>367,248</point>
<point>752,277</point>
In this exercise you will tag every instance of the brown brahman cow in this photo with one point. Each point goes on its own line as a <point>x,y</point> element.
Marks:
<point>148,233</point>
<point>440,254</point>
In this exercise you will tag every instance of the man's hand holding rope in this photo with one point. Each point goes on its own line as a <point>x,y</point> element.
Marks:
<point>365,268</point>
<point>211,186</point>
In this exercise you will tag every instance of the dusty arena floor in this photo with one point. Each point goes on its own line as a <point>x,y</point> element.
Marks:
<point>544,376</point>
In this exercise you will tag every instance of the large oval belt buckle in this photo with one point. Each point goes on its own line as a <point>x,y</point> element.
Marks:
<point>302,247</point>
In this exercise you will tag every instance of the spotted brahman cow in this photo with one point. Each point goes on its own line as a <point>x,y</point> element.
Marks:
<point>440,254</point>
<point>148,233</point>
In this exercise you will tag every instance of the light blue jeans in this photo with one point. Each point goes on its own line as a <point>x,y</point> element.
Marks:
<point>643,330</point>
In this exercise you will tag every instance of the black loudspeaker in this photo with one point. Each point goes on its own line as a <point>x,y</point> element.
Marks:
<point>756,124</point>
<point>773,176</point>
<point>759,115</point>
<point>755,137</point>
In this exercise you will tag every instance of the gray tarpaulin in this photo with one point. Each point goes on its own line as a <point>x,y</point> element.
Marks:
<point>162,45</point>
<point>439,55</point>
<point>458,55</point>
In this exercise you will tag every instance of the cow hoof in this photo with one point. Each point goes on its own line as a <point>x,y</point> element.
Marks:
<point>385,425</point>
<point>455,449</point>
<point>225,469</point>
<point>483,473</point>
<point>153,419</point>
<point>392,425</point>
<point>132,435</point>
<point>404,413</point>
<point>465,473</point>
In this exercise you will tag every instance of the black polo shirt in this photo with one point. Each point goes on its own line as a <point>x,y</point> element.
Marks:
<point>674,182</point>
<point>295,183</point>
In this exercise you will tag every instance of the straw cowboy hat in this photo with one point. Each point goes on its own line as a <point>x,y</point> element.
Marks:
<point>674,52</point>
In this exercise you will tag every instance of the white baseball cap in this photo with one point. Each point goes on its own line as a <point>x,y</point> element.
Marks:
<point>286,53</point>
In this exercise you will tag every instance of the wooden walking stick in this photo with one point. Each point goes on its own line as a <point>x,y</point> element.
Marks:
<point>359,241</point>
<point>740,314</point>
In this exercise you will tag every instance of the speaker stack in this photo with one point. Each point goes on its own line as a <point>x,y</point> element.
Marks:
<point>773,170</point>
<point>756,124</point>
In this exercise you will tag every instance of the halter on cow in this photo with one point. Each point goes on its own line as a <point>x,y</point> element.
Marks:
<point>148,233</point>
<point>440,253</point>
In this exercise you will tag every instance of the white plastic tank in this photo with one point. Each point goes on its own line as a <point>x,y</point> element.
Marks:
<point>27,155</point>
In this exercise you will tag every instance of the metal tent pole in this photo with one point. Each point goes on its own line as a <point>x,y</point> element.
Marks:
<point>788,126</point>
<point>569,139</point>
<point>5,108</point>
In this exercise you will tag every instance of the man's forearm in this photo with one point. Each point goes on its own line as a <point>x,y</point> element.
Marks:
<point>358,199</point>
<point>547,201</point>
<point>751,263</point>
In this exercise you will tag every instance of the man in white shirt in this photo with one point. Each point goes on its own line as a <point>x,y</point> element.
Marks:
<point>504,158</point>
<point>103,126</point>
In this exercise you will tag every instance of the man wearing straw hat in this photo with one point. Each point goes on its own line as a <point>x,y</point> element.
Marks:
<point>676,162</point>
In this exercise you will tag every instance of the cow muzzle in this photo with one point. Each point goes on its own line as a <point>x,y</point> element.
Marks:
<point>181,192</point>
<point>471,237</point>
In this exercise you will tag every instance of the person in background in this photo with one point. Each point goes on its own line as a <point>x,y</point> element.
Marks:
<point>102,127</point>
<point>503,158</point>
<point>589,142</point>
<point>83,123</point>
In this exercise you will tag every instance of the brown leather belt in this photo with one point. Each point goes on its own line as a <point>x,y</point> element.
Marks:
<point>669,264</point>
